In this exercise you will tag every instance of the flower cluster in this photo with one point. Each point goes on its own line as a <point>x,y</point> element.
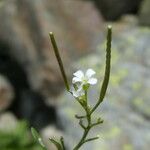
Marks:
<point>81,82</point>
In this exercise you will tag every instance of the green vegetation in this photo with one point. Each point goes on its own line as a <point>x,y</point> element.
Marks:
<point>17,139</point>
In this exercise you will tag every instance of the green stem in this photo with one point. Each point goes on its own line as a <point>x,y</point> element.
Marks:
<point>86,129</point>
<point>82,141</point>
<point>91,139</point>
<point>52,38</point>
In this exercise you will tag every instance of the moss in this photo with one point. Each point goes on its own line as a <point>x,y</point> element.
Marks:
<point>131,40</point>
<point>117,77</point>
<point>136,86</point>
<point>114,56</point>
<point>147,111</point>
<point>70,112</point>
<point>138,102</point>
<point>103,146</point>
<point>113,133</point>
<point>145,30</point>
<point>142,105</point>
<point>17,139</point>
<point>127,147</point>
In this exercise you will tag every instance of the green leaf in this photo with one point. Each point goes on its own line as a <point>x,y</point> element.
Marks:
<point>35,133</point>
<point>18,138</point>
<point>37,137</point>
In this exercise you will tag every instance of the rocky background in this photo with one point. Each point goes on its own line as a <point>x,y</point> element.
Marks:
<point>31,86</point>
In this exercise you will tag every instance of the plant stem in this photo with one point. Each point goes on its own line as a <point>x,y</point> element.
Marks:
<point>82,141</point>
<point>102,93</point>
<point>91,139</point>
<point>86,129</point>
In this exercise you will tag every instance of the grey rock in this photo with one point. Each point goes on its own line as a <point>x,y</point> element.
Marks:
<point>6,93</point>
<point>8,122</point>
<point>25,26</point>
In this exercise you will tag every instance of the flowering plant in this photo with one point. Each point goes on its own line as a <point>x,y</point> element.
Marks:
<point>81,83</point>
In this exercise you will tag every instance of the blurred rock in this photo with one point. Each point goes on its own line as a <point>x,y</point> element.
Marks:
<point>15,135</point>
<point>17,96</point>
<point>26,55</point>
<point>125,109</point>
<point>33,108</point>
<point>8,122</point>
<point>145,13</point>
<point>6,93</point>
<point>25,25</point>
<point>114,9</point>
<point>14,73</point>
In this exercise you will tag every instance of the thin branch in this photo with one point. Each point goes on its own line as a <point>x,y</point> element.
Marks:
<point>79,117</point>
<point>81,124</point>
<point>97,123</point>
<point>91,139</point>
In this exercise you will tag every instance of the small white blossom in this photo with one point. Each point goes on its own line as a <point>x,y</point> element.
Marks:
<point>80,77</point>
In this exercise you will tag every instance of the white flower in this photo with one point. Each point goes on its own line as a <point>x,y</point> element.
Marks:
<point>80,77</point>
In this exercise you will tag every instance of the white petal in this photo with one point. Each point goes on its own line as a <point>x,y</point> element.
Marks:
<point>81,93</point>
<point>75,93</point>
<point>79,74</point>
<point>92,81</point>
<point>76,79</point>
<point>89,73</point>
<point>80,87</point>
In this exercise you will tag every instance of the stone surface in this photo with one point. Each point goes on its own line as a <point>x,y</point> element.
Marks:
<point>6,93</point>
<point>8,122</point>
<point>25,26</point>
<point>145,13</point>
<point>17,96</point>
<point>125,109</point>
<point>15,134</point>
<point>26,55</point>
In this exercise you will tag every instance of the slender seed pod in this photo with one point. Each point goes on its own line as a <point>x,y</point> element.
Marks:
<point>56,51</point>
<point>107,69</point>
